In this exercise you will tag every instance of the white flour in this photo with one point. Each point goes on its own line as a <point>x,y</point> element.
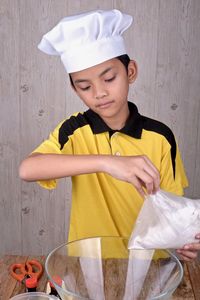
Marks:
<point>166,221</point>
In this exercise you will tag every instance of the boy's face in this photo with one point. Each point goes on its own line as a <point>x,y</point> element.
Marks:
<point>104,89</point>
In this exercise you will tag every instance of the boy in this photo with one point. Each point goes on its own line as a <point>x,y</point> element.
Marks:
<point>113,154</point>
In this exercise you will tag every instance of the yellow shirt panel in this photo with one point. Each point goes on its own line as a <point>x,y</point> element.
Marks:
<point>102,205</point>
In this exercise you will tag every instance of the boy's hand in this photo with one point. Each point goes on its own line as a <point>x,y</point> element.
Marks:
<point>190,251</point>
<point>137,170</point>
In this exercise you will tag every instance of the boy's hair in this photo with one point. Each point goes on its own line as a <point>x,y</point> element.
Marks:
<point>125,59</point>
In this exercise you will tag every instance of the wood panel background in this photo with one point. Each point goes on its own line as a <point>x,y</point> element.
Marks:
<point>35,95</point>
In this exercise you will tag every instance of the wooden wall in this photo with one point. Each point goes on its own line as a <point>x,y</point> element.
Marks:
<point>35,95</point>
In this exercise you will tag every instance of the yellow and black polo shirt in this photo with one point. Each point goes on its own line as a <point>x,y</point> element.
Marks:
<point>101,204</point>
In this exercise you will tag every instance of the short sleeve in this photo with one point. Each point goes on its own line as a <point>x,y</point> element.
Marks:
<point>52,146</point>
<point>173,176</point>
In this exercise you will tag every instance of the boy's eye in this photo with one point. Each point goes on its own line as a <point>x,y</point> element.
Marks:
<point>110,79</point>
<point>85,88</point>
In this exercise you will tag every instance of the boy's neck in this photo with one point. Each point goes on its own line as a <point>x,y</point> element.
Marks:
<point>118,122</point>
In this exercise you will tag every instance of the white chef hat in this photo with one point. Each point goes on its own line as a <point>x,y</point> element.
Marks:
<point>87,39</point>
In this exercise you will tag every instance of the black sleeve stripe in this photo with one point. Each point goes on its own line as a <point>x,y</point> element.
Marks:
<point>69,126</point>
<point>158,127</point>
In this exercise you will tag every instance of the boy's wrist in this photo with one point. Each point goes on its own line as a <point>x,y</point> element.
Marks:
<point>104,163</point>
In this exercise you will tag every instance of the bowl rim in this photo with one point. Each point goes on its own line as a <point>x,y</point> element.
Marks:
<point>69,293</point>
<point>33,294</point>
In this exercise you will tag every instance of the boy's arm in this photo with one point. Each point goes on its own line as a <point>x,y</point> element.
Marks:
<point>137,170</point>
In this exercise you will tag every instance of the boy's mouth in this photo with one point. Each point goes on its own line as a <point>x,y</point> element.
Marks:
<point>105,104</point>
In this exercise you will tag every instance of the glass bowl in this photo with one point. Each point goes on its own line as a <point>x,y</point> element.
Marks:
<point>102,268</point>
<point>33,296</point>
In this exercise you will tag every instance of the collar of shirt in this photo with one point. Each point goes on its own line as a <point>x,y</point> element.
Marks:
<point>133,126</point>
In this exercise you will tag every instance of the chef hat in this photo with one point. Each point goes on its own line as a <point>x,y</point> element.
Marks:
<point>87,39</point>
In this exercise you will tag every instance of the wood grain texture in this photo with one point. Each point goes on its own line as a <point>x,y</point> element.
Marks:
<point>10,206</point>
<point>8,283</point>
<point>44,213</point>
<point>187,290</point>
<point>35,95</point>
<point>194,271</point>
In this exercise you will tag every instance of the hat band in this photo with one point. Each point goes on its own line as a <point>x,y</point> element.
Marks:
<point>93,54</point>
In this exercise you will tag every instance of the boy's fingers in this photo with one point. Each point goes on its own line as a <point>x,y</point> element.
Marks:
<point>141,191</point>
<point>146,180</point>
<point>197,236</point>
<point>153,172</point>
<point>151,181</point>
<point>185,258</point>
<point>150,188</point>
<point>192,247</point>
<point>190,251</point>
<point>139,186</point>
<point>189,254</point>
<point>148,161</point>
<point>147,187</point>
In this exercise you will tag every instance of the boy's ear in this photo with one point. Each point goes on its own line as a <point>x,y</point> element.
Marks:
<point>132,71</point>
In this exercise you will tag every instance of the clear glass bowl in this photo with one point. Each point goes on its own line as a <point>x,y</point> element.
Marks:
<point>33,296</point>
<point>103,268</point>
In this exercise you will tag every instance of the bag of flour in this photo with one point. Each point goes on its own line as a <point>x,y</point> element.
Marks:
<point>166,221</point>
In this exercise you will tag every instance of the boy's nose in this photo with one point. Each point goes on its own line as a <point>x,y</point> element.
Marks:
<point>100,96</point>
<point>100,93</point>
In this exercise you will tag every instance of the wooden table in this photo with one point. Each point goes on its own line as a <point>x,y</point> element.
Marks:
<point>189,289</point>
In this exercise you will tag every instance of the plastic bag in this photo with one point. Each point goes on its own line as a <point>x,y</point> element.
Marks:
<point>166,221</point>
